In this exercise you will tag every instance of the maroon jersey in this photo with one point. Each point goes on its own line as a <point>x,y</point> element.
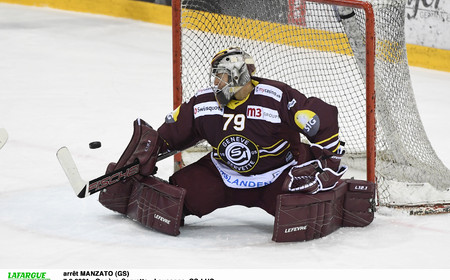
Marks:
<point>255,136</point>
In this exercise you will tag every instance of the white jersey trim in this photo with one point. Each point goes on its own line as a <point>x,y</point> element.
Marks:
<point>235,180</point>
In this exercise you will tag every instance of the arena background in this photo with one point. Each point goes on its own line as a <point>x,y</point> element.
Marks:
<point>425,26</point>
<point>70,78</point>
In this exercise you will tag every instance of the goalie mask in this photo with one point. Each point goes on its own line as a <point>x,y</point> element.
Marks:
<point>230,71</point>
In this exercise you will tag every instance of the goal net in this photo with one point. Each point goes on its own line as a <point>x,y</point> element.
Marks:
<point>350,53</point>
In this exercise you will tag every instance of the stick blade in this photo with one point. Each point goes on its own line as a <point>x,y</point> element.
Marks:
<point>68,164</point>
<point>3,137</point>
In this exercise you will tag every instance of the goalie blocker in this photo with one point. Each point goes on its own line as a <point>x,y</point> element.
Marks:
<point>302,217</point>
<point>146,199</point>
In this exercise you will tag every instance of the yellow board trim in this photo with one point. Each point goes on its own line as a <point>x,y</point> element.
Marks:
<point>431,58</point>
<point>266,31</point>
<point>136,10</point>
<point>420,56</point>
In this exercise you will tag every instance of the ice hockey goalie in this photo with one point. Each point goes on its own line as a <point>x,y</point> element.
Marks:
<point>257,160</point>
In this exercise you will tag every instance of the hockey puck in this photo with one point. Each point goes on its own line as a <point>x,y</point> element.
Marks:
<point>95,145</point>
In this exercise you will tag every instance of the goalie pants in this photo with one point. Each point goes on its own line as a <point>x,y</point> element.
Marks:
<point>206,192</point>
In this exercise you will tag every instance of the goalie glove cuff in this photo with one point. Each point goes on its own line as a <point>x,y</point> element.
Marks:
<point>327,158</point>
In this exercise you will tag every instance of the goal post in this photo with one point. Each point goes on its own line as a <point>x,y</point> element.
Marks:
<point>350,53</point>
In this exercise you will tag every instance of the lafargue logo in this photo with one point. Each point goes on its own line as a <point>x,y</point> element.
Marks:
<point>28,275</point>
<point>239,153</point>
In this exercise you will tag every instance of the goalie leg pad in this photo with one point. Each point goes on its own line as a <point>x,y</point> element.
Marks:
<point>302,217</point>
<point>359,205</point>
<point>158,205</point>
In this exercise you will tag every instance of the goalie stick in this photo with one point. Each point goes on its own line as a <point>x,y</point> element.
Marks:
<point>83,188</point>
<point>3,137</point>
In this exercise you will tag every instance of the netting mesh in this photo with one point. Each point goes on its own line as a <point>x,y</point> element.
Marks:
<point>408,169</point>
<point>319,49</point>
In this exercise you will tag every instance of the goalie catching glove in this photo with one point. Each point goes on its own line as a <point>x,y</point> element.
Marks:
<point>320,174</point>
<point>144,146</point>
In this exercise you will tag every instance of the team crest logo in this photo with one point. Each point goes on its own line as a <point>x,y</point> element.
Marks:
<point>239,153</point>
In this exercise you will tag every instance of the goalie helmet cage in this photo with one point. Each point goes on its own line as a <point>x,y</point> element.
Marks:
<point>343,51</point>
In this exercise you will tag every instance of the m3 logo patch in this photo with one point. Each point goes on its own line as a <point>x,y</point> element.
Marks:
<point>263,113</point>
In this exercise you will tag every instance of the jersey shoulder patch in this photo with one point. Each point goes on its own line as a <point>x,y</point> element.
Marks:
<point>269,91</point>
<point>207,109</point>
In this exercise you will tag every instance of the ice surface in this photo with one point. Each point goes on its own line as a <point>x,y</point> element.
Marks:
<point>67,79</point>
